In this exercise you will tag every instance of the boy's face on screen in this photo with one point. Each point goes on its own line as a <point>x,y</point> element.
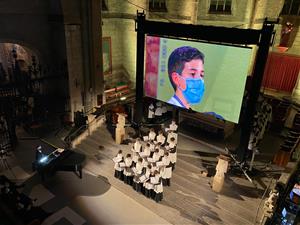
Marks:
<point>191,81</point>
<point>193,69</point>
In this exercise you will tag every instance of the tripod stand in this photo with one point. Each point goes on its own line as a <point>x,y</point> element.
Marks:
<point>240,165</point>
<point>4,163</point>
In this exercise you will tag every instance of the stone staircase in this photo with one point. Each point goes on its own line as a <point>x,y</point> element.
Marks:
<point>190,193</point>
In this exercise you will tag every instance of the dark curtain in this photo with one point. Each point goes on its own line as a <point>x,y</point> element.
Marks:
<point>281,72</point>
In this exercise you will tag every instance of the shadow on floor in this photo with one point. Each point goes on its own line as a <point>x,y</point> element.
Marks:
<point>66,186</point>
<point>197,211</point>
<point>233,190</point>
<point>268,146</point>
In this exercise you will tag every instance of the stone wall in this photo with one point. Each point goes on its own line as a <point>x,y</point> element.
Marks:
<point>76,82</point>
<point>83,48</point>
<point>41,26</point>
<point>129,50</point>
<point>239,17</point>
<point>118,23</point>
<point>180,11</point>
<point>112,27</point>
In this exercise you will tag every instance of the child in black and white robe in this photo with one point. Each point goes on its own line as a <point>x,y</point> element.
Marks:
<point>149,186</point>
<point>119,167</point>
<point>160,138</point>
<point>173,126</point>
<point>166,159</point>
<point>157,193</point>
<point>137,146</point>
<point>146,174</point>
<point>173,157</point>
<point>151,112</point>
<point>158,111</point>
<point>166,175</point>
<point>152,147</point>
<point>154,167</point>
<point>151,135</point>
<point>156,155</point>
<point>128,173</point>
<point>161,151</point>
<point>146,151</point>
<point>171,144</point>
<point>138,169</point>
<point>135,158</point>
<point>172,134</point>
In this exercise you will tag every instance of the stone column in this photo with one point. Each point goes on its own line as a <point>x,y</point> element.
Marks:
<point>75,70</point>
<point>120,130</point>
<point>221,169</point>
<point>96,51</point>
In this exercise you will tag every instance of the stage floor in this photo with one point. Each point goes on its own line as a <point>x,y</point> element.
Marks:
<point>99,198</point>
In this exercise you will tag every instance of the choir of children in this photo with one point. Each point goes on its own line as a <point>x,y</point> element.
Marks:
<point>150,166</point>
<point>157,111</point>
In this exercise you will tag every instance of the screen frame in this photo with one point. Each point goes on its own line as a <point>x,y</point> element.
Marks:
<point>262,38</point>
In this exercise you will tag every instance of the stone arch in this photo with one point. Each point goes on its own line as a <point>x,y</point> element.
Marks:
<point>30,47</point>
<point>25,53</point>
<point>25,45</point>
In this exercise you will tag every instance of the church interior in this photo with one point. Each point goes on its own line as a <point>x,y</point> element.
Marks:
<point>149,112</point>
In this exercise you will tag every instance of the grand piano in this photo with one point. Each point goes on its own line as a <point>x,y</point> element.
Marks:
<point>59,160</point>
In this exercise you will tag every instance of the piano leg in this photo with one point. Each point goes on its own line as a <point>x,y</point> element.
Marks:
<point>78,171</point>
<point>42,176</point>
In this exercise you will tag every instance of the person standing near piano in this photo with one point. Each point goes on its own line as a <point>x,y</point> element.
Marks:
<point>38,153</point>
<point>38,156</point>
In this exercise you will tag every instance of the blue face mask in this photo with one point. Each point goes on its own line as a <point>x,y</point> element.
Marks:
<point>194,90</point>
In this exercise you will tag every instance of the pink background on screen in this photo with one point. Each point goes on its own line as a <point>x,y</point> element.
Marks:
<point>152,61</point>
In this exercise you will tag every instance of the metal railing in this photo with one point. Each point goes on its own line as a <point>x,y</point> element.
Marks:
<point>70,137</point>
<point>73,135</point>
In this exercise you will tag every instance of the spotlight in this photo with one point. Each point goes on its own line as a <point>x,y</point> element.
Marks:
<point>42,160</point>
